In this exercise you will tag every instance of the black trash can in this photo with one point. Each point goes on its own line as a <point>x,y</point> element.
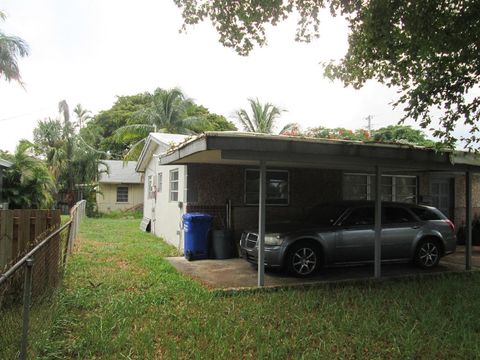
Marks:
<point>223,245</point>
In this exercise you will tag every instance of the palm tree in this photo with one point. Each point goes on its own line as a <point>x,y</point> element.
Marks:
<point>166,113</point>
<point>49,142</point>
<point>262,118</point>
<point>11,47</point>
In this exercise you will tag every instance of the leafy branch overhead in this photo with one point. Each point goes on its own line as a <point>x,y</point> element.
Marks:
<point>11,48</point>
<point>428,50</point>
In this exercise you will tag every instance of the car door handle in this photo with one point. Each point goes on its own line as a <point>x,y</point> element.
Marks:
<point>416,227</point>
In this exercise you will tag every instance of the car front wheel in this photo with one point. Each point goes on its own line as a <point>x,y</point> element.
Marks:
<point>428,254</point>
<point>303,259</point>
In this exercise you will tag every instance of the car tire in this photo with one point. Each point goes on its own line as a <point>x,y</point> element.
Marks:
<point>304,259</point>
<point>427,255</point>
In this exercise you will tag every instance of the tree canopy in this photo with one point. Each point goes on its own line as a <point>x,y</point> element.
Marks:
<point>28,183</point>
<point>429,50</point>
<point>388,134</point>
<point>11,48</point>
<point>101,131</point>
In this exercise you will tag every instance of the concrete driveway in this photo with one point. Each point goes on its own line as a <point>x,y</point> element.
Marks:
<point>238,273</point>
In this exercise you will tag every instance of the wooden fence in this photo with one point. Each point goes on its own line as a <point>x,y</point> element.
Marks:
<point>21,229</point>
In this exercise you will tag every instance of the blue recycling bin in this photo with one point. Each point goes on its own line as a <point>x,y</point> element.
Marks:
<point>196,227</point>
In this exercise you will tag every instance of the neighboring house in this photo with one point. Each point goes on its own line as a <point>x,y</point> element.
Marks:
<point>162,198</point>
<point>217,168</point>
<point>120,186</point>
<point>4,164</point>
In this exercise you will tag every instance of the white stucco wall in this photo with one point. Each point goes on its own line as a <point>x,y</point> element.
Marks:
<point>166,215</point>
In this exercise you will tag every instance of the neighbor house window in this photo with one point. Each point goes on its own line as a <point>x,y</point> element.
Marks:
<point>122,194</point>
<point>277,187</point>
<point>159,182</point>
<point>174,185</point>
<point>394,187</point>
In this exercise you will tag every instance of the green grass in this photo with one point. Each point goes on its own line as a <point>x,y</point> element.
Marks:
<point>122,300</point>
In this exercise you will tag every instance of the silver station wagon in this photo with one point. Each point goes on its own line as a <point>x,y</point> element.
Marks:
<point>343,233</point>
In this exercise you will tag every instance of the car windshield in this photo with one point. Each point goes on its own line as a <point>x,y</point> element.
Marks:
<point>325,214</point>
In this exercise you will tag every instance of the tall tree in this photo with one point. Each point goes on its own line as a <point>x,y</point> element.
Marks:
<point>11,48</point>
<point>261,119</point>
<point>428,49</point>
<point>28,183</point>
<point>72,161</point>
<point>166,113</point>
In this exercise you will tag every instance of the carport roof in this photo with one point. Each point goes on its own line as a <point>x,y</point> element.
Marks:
<point>237,148</point>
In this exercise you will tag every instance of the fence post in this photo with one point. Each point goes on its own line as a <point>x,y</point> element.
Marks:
<point>27,294</point>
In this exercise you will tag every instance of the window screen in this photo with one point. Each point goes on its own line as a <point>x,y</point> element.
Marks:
<point>174,185</point>
<point>122,194</point>
<point>277,187</point>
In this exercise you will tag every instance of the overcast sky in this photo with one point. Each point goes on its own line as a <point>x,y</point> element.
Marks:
<point>89,51</point>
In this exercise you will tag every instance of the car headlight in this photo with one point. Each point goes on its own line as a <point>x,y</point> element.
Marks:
<point>273,239</point>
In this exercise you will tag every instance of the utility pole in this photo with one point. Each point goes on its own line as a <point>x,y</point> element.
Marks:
<point>369,123</point>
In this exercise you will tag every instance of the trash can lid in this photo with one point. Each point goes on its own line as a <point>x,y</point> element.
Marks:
<point>197,216</point>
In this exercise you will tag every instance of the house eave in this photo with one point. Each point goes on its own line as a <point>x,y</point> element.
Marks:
<point>244,148</point>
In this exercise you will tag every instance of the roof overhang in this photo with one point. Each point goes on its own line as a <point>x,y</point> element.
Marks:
<point>234,148</point>
<point>5,163</point>
<point>148,150</point>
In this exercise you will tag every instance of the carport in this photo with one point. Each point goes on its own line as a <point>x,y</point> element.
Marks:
<point>264,151</point>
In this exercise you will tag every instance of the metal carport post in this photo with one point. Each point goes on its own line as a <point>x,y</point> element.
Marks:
<point>468,219</point>
<point>378,222</point>
<point>262,192</point>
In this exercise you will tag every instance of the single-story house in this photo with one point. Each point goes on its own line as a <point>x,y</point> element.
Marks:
<point>159,205</point>
<point>4,164</point>
<point>218,173</point>
<point>120,187</point>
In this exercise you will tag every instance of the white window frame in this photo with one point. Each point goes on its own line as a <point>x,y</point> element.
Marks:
<point>266,200</point>
<point>177,181</point>
<point>150,187</point>
<point>394,184</point>
<point>128,191</point>
<point>159,182</point>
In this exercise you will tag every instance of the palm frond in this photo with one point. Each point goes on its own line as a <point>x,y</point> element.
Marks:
<point>134,151</point>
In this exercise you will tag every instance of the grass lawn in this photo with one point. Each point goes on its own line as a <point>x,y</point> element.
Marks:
<point>121,300</point>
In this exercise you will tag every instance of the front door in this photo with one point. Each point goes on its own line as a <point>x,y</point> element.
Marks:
<point>441,195</point>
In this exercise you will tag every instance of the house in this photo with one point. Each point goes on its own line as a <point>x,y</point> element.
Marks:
<point>120,187</point>
<point>4,164</point>
<point>218,173</point>
<point>162,198</point>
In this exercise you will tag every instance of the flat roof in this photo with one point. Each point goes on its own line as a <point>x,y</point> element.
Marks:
<point>237,148</point>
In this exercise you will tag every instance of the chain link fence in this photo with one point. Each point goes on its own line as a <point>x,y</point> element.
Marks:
<point>29,290</point>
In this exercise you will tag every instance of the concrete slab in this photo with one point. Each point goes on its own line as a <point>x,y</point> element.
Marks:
<point>238,273</point>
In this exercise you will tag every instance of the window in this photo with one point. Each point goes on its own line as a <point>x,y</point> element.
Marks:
<point>325,215</point>
<point>394,187</point>
<point>122,194</point>
<point>150,187</point>
<point>360,216</point>
<point>174,185</point>
<point>159,182</point>
<point>396,215</point>
<point>428,214</point>
<point>277,187</point>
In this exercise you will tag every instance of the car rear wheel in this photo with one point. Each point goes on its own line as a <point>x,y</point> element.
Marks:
<point>304,259</point>
<point>428,253</point>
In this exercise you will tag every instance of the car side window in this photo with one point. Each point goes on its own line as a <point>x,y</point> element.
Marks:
<point>397,215</point>
<point>360,216</point>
